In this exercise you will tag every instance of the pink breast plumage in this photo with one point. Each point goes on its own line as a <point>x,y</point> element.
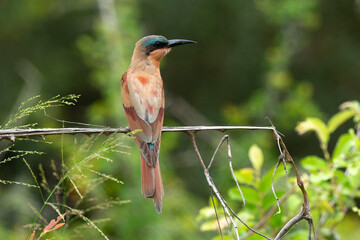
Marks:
<point>146,96</point>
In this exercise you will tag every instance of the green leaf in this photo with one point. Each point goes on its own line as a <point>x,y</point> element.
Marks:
<point>235,194</point>
<point>205,213</point>
<point>252,237</point>
<point>313,163</point>
<point>270,200</point>
<point>322,176</point>
<point>245,176</point>
<point>298,235</point>
<point>265,183</point>
<point>354,106</point>
<point>343,145</point>
<point>225,237</point>
<point>341,177</point>
<point>353,177</point>
<point>213,201</point>
<point>339,162</point>
<point>339,118</point>
<point>294,203</point>
<point>276,221</point>
<point>246,216</point>
<point>256,156</point>
<point>348,191</point>
<point>314,124</point>
<point>334,219</point>
<point>250,194</point>
<point>209,225</point>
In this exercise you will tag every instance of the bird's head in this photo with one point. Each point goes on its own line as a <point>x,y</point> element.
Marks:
<point>155,47</point>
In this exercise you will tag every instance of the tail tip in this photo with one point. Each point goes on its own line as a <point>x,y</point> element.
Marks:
<point>158,207</point>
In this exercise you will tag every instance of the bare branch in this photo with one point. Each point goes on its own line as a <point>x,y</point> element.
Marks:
<point>12,134</point>
<point>305,209</point>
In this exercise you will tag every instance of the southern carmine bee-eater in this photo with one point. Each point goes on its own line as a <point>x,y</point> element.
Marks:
<point>143,99</point>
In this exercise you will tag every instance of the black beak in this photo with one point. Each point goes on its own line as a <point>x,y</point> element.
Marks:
<point>177,42</point>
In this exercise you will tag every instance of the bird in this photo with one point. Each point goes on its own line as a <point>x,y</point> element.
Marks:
<point>143,100</point>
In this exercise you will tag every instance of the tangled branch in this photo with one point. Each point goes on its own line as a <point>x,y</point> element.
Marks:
<point>284,157</point>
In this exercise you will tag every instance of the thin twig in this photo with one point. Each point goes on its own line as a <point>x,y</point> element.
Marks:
<point>232,170</point>
<point>216,214</point>
<point>228,211</point>
<point>226,137</point>
<point>272,185</point>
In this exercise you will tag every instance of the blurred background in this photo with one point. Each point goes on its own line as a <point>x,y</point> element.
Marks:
<point>285,60</point>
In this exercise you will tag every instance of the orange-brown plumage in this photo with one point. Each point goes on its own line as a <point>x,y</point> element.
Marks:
<point>143,99</point>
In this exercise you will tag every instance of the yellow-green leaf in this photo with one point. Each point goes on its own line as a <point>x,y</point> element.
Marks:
<point>224,237</point>
<point>205,213</point>
<point>316,125</point>
<point>256,156</point>
<point>339,118</point>
<point>209,225</point>
<point>314,163</point>
<point>353,106</point>
<point>214,224</point>
<point>245,175</point>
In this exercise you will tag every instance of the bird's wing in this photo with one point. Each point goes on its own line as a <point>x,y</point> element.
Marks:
<point>138,116</point>
<point>156,130</point>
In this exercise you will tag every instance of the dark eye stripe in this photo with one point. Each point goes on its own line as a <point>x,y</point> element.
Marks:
<point>153,44</point>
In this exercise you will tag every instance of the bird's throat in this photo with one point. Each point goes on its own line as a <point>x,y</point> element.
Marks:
<point>156,56</point>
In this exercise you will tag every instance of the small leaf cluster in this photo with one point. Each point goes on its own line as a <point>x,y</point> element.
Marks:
<point>334,177</point>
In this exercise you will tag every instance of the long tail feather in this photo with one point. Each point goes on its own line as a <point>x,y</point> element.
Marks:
<point>151,181</point>
<point>147,179</point>
<point>159,190</point>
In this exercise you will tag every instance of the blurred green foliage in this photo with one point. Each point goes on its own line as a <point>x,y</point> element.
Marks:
<point>286,60</point>
<point>332,184</point>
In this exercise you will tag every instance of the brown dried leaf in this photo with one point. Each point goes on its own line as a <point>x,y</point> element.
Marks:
<point>58,226</point>
<point>32,235</point>
<point>53,224</point>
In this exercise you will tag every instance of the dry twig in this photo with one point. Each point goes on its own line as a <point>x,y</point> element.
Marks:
<point>229,212</point>
<point>305,209</point>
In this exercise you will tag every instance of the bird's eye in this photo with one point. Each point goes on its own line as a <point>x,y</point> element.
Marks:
<point>158,43</point>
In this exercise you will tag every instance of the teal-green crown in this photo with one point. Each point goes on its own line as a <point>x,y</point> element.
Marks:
<point>153,41</point>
